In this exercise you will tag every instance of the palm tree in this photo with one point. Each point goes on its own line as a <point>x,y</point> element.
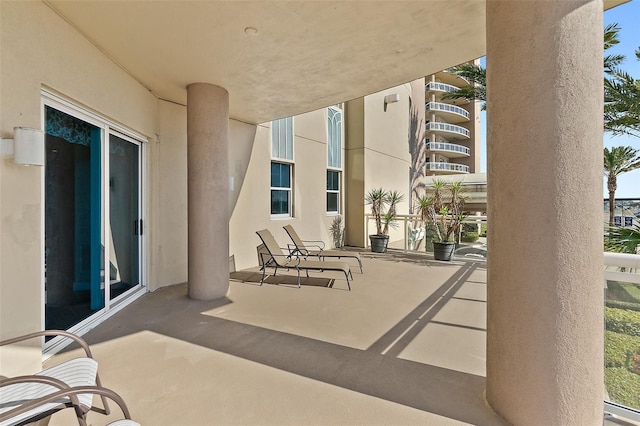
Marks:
<point>618,160</point>
<point>477,76</point>
<point>623,240</point>
<point>611,62</point>
<point>622,102</point>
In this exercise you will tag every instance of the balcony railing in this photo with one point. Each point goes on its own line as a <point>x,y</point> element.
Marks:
<point>446,127</point>
<point>440,87</point>
<point>451,147</point>
<point>447,167</point>
<point>439,106</point>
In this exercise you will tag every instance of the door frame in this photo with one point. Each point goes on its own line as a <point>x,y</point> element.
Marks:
<point>107,127</point>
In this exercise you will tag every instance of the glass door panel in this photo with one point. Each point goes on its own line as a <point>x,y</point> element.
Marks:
<point>125,226</point>
<point>73,220</point>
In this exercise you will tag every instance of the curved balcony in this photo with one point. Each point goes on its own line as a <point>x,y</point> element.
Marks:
<point>440,87</point>
<point>448,128</point>
<point>449,77</point>
<point>451,113</point>
<point>447,168</point>
<point>451,149</point>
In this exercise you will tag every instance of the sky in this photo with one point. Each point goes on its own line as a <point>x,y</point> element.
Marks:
<point>628,18</point>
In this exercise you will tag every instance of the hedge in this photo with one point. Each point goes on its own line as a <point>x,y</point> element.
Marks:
<point>622,321</point>
<point>469,237</point>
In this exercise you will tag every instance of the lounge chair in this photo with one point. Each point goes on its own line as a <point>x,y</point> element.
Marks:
<point>275,258</point>
<point>65,397</point>
<point>304,248</point>
<point>26,398</point>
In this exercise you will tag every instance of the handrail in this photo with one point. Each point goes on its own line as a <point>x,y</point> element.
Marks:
<point>440,106</point>
<point>441,87</point>
<point>442,146</point>
<point>454,167</point>
<point>446,127</point>
<point>627,267</point>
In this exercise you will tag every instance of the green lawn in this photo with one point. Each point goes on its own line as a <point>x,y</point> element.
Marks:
<point>622,343</point>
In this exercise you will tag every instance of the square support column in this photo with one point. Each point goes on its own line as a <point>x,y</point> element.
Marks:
<point>545,261</point>
<point>208,190</point>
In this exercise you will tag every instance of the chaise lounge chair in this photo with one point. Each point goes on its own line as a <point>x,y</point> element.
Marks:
<point>71,384</point>
<point>304,249</point>
<point>275,258</point>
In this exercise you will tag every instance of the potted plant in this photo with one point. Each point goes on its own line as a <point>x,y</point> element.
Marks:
<point>442,212</point>
<point>383,209</point>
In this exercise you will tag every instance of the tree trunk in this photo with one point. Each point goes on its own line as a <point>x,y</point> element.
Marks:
<point>611,186</point>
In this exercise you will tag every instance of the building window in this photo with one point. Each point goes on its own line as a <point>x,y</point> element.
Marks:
<point>334,158</point>
<point>281,189</point>
<point>333,191</point>
<point>282,139</point>
<point>282,167</point>
<point>334,138</point>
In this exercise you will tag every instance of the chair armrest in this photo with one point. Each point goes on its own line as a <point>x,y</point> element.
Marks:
<point>29,405</point>
<point>44,333</point>
<point>79,340</point>
<point>293,250</point>
<point>72,395</point>
<point>272,256</point>
<point>314,243</point>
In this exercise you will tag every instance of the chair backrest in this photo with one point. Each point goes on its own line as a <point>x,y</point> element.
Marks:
<point>296,240</point>
<point>271,245</point>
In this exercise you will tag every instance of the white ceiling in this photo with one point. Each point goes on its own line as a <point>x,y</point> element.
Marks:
<point>305,55</point>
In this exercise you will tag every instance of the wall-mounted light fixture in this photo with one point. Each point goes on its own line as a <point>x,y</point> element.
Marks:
<point>27,146</point>
<point>390,99</point>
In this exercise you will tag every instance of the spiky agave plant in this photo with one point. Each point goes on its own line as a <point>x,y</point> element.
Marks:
<point>445,217</point>
<point>377,198</point>
<point>383,208</point>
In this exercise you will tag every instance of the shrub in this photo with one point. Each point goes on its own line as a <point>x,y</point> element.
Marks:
<point>623,305</point>
<point>622,321</point>
<point>619,348</point>
<point>623,386</point>
<point>469,237</point>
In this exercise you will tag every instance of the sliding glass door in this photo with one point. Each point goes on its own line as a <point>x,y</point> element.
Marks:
<point>124,215</point>
<point>92,216</point>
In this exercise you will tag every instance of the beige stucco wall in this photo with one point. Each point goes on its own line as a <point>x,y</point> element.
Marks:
<point>167,195</point>
<point>354,179</point>
<point>39,49</point>
<point>377,156</point>
<point>252,209</point>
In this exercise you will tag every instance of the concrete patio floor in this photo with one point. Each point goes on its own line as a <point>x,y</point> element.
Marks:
<point>405,347</point>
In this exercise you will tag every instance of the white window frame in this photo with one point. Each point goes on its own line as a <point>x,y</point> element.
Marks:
<point>335,191</point>
<point>288,158</point>
<point>333,167</point>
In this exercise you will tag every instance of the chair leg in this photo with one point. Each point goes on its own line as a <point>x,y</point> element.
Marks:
<point>346,275</point>
<point>359,263</point>
<point>264,270</point>
<point>298,269</point>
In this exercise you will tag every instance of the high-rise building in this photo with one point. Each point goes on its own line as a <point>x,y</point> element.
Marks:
<point>452,127</point>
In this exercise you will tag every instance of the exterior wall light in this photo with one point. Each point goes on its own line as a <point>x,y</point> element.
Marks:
<point>26,147</point>
<point>390,99</point>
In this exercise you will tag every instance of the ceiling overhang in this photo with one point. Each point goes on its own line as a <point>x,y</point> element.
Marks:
<point>280,58</point>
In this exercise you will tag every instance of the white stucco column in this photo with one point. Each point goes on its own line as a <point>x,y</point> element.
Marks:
<point>208,192</point>
<point>545,270</point>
